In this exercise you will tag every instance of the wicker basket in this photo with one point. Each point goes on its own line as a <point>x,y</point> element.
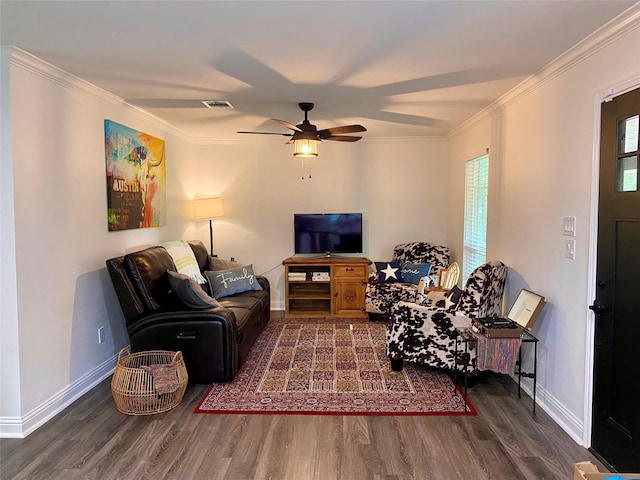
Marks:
<point>133,386</point>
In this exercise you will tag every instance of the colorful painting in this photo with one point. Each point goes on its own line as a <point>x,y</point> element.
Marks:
<point>136,192</point>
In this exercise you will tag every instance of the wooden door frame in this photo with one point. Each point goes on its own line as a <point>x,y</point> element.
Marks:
<point>602,96</point>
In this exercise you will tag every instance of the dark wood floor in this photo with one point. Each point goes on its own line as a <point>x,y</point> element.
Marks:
<point>92,440</point>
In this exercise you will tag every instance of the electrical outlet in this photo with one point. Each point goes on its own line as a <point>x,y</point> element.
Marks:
<point>101,335</point>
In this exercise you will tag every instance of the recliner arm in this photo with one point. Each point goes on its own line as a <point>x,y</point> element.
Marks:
<point>264,283</point>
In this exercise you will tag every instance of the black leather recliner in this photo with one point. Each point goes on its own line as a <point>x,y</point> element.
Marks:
<point>214,341</point>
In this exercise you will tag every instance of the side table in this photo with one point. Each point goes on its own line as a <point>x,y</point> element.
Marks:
<point>528,337</point>
<point>466,338</point>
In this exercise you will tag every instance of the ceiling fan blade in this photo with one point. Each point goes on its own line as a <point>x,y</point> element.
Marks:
<point>287,125</point>
<point>342,138</point>
<point>340,130</point>
<point>270,133</point>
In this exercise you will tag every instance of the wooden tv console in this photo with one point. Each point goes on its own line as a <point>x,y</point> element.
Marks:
<point>337,291</point>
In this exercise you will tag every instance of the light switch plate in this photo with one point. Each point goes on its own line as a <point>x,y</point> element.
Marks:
<point>569,226</point>
<point>570,248</point>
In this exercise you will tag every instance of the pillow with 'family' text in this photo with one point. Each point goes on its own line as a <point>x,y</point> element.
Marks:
<point>228,282</point>
<point>388,272</point>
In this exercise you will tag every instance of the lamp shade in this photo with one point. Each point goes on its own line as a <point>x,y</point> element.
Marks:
<point>305,148</point>
<point>207,208</point>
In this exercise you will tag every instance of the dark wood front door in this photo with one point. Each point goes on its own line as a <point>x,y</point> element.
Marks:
<point>616,396</point>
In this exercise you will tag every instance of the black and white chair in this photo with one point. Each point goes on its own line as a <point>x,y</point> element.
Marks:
<point>426,334</point>
<point>381,297</point>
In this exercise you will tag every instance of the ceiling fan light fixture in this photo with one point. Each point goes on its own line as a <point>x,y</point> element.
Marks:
<point>306,136</point>
<point>305,148</point>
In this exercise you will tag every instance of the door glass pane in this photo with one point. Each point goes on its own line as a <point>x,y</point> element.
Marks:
<point>628,134</point>
<point>627,174</point>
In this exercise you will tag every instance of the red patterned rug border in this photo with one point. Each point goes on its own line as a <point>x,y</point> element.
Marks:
<point>471,411</point>
<point>416,373</point>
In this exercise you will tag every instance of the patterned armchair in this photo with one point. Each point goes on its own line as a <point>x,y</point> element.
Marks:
<point>426,334</point>
<point>381,297</point>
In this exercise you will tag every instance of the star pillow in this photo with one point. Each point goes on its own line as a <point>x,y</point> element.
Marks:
<point>388,272</point>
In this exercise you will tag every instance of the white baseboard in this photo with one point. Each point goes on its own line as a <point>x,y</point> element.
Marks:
<point>20,427</point>
<point>555,409</point>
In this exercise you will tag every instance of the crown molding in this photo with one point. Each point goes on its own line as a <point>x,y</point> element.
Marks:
<point>24,60</point>
<point>623,24</point>
<point>620,26</point>
<point>407,139</point>
<point>36,66</point>
<point>28,62</point>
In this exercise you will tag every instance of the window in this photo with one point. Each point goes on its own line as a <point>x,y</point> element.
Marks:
<point>475,214</point>
<point>628,129</point>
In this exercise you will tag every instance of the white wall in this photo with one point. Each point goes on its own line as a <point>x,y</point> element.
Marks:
<point>543,138</point>
<point>471,143</point>
<point>9,368</point>
<point>54,175</point>
<point>262,187</point>
<point>405,193</point>
<point>61,240</point>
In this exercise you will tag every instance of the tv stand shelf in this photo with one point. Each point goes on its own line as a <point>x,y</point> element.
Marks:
<point>339,292</point>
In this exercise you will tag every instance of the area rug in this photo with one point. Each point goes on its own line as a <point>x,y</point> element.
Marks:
<point>331,367</point>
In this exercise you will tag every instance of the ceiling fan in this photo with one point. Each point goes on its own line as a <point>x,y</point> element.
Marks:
<point>306,136</point>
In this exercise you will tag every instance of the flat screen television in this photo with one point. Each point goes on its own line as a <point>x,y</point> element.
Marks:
<point>327,233</point>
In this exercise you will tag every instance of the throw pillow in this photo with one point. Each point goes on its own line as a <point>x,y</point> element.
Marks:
<point>413,272</point>
<point>189,292</point>
<point>388,272</point>
<point>237,280</point>
<point>216,263</point>
<point>452,298</point>
<point>184,259</point>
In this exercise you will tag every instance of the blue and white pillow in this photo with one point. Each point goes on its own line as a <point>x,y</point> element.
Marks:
<point>413,272</point>
<point>388,272</point>
<point>236,280</point>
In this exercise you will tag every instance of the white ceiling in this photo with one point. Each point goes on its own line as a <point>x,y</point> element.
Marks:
<point>416,68</point>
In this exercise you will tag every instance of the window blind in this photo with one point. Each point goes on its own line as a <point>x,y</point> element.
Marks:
<point>475,214</point>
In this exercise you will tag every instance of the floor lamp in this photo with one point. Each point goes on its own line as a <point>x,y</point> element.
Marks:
<point>208,209</point>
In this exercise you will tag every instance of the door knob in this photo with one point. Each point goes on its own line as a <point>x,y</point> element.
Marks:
<point>597,307</point>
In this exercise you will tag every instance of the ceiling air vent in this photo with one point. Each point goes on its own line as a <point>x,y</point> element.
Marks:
<point>217,104</point>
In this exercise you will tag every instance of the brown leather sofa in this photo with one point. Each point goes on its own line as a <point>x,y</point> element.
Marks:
<point>214,341</point>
